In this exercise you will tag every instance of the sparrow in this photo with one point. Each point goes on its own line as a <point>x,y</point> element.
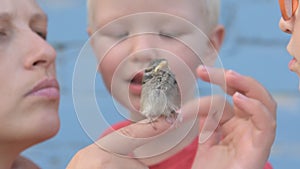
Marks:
<point>160,92</point>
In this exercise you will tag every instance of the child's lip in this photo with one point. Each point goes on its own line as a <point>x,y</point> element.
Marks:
<point>137,78</point>
<point>135,85</point>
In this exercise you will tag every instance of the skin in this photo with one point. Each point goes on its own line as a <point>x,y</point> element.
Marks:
<point>243,125</point>
<point>292,27</point>
<point>136,49</point>
<point>26,59</point>
<point>247,138</point>
<point>94,157</point>
<point>122,62</point>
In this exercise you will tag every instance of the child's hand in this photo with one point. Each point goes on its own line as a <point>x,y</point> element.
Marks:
<point>95,157</point>
<point>92,157</point>
<point>247,137</point>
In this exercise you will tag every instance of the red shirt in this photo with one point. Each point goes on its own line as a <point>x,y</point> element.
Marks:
<point>182,160</point>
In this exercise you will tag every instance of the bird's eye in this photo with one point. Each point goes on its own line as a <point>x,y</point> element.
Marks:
<point>159,79</point>
<point>146,78</point>
<point>147,70</point>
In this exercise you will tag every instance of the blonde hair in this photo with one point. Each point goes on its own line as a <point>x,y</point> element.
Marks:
<point>213,9</point>
<point>89,12</point>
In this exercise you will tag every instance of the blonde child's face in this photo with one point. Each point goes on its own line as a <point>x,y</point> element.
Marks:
<point>131,33</point>
<point>292,27</point>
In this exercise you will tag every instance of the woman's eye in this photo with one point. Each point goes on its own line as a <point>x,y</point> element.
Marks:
<point>3,33</point>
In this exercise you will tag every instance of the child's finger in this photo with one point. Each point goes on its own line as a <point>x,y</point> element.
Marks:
<point>251,88</point>
<point>260,115</point>
<point>213,75</point>
<point>233,82</point>
<point>216,76</point>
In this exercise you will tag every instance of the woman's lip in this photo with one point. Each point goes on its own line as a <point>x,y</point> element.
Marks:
<point>294,66</point>
<point>47,88</point>
<point>291,63</point>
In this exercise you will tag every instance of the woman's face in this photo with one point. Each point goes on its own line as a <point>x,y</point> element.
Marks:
<point>29,90</point>
<point>292,26</point>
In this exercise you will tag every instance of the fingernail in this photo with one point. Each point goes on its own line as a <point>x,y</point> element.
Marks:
<point>241,96</point>
<point>203,68</point>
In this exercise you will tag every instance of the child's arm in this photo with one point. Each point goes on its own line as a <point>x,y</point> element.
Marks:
<point>95,157</point>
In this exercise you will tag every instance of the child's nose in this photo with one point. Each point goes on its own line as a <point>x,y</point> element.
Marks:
<point>144,48</point>
<point>286,26</point>
<point>144,41</point>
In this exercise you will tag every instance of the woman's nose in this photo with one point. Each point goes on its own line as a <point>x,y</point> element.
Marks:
<point>39,53</point>
<point>286,26</point>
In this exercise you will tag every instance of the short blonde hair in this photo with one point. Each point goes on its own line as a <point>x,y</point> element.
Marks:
<point>90,11</point>
<point>213,7</point>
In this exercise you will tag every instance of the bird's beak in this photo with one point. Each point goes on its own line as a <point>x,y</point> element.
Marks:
<point>161,65</point>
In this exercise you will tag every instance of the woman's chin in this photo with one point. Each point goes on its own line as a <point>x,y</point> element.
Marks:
<point>45,133</point>
<point>297,71</point>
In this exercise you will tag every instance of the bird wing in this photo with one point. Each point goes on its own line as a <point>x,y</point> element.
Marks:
<point>154,104</point>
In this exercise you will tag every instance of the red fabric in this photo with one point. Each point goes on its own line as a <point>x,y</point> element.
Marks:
<point>182,160</point>
<point>268,166</point>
